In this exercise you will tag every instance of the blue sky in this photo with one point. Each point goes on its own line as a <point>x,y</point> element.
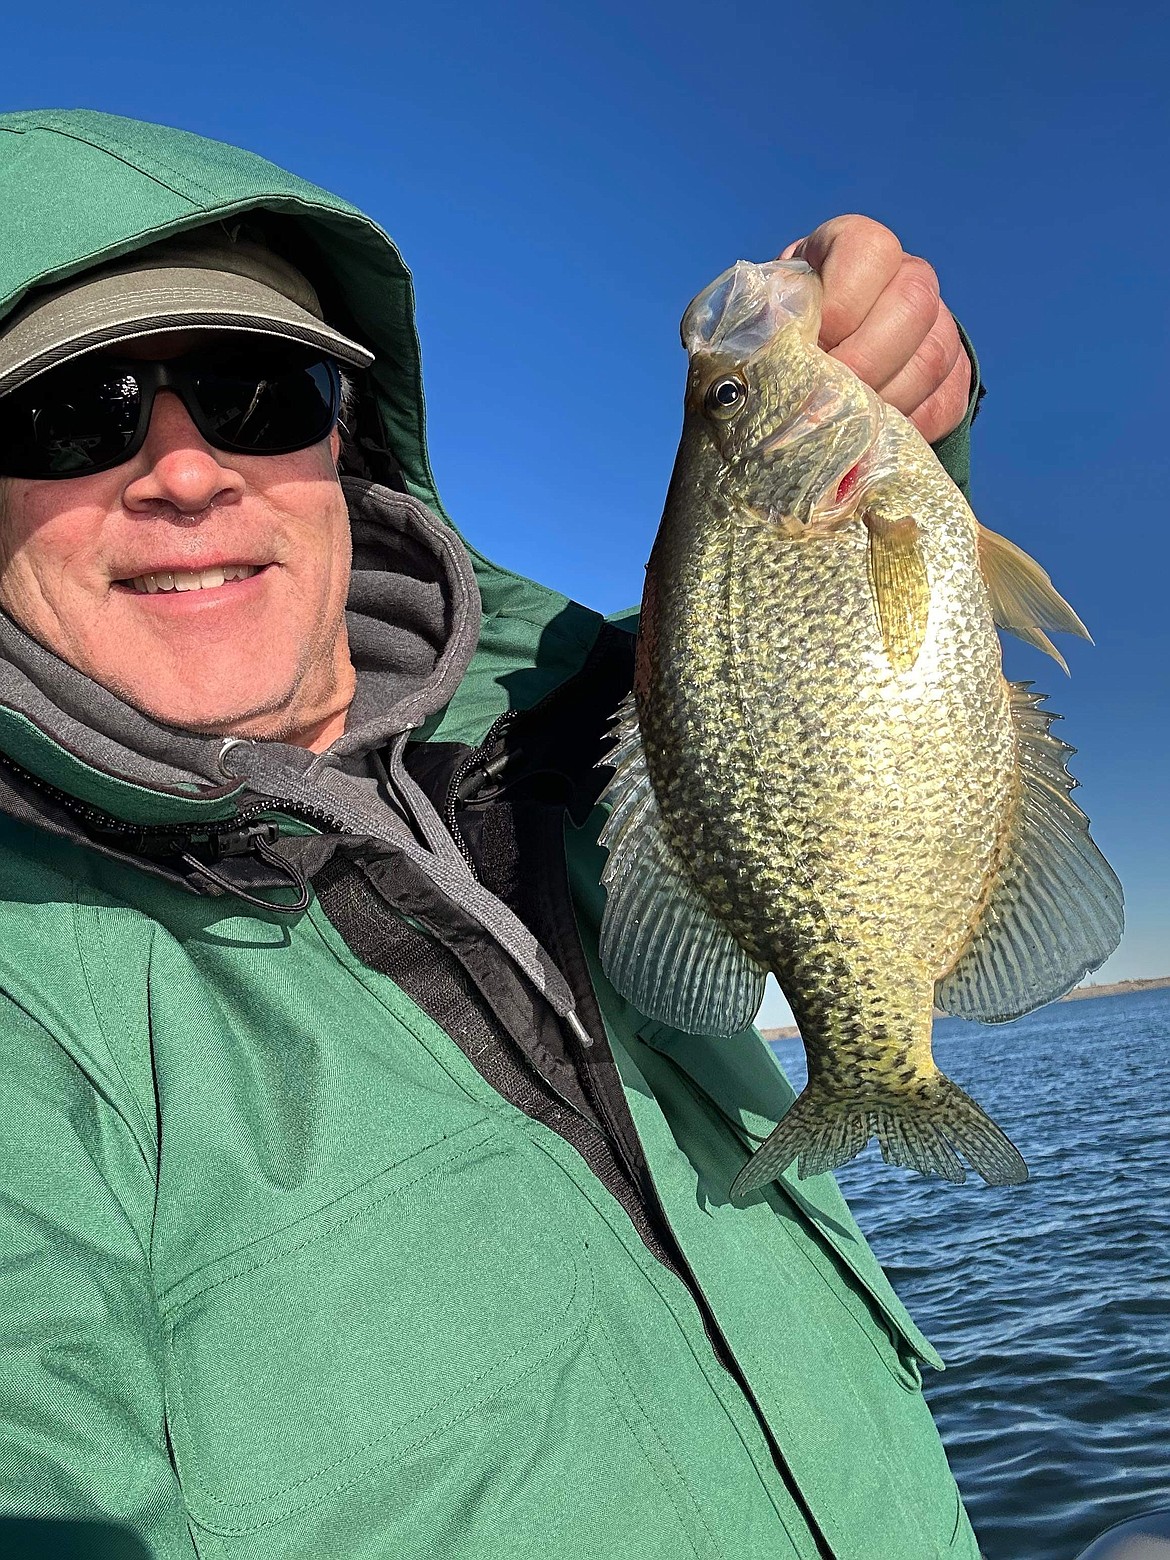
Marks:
<point>562,181</point>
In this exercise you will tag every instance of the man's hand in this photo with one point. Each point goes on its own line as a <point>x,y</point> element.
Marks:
<point>883,317</point>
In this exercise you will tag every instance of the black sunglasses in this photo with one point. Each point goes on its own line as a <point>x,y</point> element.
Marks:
<point>258,398</point>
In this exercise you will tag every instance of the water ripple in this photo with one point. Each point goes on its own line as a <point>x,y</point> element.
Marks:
<point>1050,1302</point>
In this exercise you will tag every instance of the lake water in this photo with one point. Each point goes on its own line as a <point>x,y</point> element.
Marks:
<point>1050,1302</point>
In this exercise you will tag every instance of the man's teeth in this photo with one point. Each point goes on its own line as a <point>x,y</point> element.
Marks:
<point>192,579</point>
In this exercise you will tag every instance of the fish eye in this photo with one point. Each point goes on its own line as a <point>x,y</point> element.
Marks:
<point>726,396</point>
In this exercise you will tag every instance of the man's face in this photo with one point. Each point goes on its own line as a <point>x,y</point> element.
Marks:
<point>263,656</point>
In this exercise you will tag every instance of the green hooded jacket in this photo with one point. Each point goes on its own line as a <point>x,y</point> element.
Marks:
<point>281,1272</point>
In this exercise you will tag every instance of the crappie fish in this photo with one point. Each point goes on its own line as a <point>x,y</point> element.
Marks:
<point>822,771</point>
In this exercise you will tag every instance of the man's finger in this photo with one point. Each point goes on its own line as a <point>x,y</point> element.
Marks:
<point>945,409</point>
<point>895,328</point>
<point>928,368</point>
<point>857,259</point>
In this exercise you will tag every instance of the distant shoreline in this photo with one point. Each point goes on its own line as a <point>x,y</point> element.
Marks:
<point>1118,988</point>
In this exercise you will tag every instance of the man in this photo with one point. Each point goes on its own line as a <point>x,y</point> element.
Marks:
<point>346,1209</point>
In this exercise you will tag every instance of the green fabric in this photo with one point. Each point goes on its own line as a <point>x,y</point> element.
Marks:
<point>955,450</point>
<point>253,1195</point>
<point>282,1275</point>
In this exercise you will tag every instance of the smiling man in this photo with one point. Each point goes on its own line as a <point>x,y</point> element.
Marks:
<point>150,510</point>
<point>344,1209</point>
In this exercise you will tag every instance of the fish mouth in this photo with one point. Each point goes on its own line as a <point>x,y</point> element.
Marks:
<point>744,308</point>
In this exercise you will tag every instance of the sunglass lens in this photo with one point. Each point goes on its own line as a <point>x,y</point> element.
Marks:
<point>266,404</point>
<point>68,422</point>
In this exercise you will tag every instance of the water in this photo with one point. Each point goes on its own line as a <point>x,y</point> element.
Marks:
<point>1050,1302</point>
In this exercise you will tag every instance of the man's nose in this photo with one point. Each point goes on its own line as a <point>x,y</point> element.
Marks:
<point>176,466</point>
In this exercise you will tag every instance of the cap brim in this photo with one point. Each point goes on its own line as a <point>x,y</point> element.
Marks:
<point>118,308</point>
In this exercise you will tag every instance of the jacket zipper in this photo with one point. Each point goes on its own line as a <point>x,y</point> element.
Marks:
<point>106,823</point>
<point>473,761</point>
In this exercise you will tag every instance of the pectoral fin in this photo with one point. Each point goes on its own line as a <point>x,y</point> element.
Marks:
<point>1024,600</point>
<point>1055,911</point>
<point>661,948</point>
<point>901,589</point>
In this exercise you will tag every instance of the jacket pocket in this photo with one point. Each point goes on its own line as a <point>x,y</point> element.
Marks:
<point>298,1365</point>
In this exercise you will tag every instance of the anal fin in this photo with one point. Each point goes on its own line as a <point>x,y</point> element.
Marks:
<point>1055,912</point>
<point>661,948</point>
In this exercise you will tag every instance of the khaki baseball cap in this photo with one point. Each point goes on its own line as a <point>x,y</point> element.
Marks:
<point>198,281</point>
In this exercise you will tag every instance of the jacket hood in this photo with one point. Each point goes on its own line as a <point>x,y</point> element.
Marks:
<point>82,188</point>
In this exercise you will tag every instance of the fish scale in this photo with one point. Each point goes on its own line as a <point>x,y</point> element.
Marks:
<point>824,773</point>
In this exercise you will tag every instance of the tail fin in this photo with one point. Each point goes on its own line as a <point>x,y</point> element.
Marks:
<point>921,1130</point>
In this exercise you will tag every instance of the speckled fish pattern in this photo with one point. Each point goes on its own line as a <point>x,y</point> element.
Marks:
<point>839,777</point>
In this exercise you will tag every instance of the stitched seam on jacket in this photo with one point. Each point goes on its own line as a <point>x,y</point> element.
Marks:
<point>172,1309</point>
<point>492,1101</point>
<point>89,977</point>
<point>904,1378</point>
<point>538,1363</point>
<point>637,1438</point>
<point>614,1360</point>
<point>721,1383</point>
